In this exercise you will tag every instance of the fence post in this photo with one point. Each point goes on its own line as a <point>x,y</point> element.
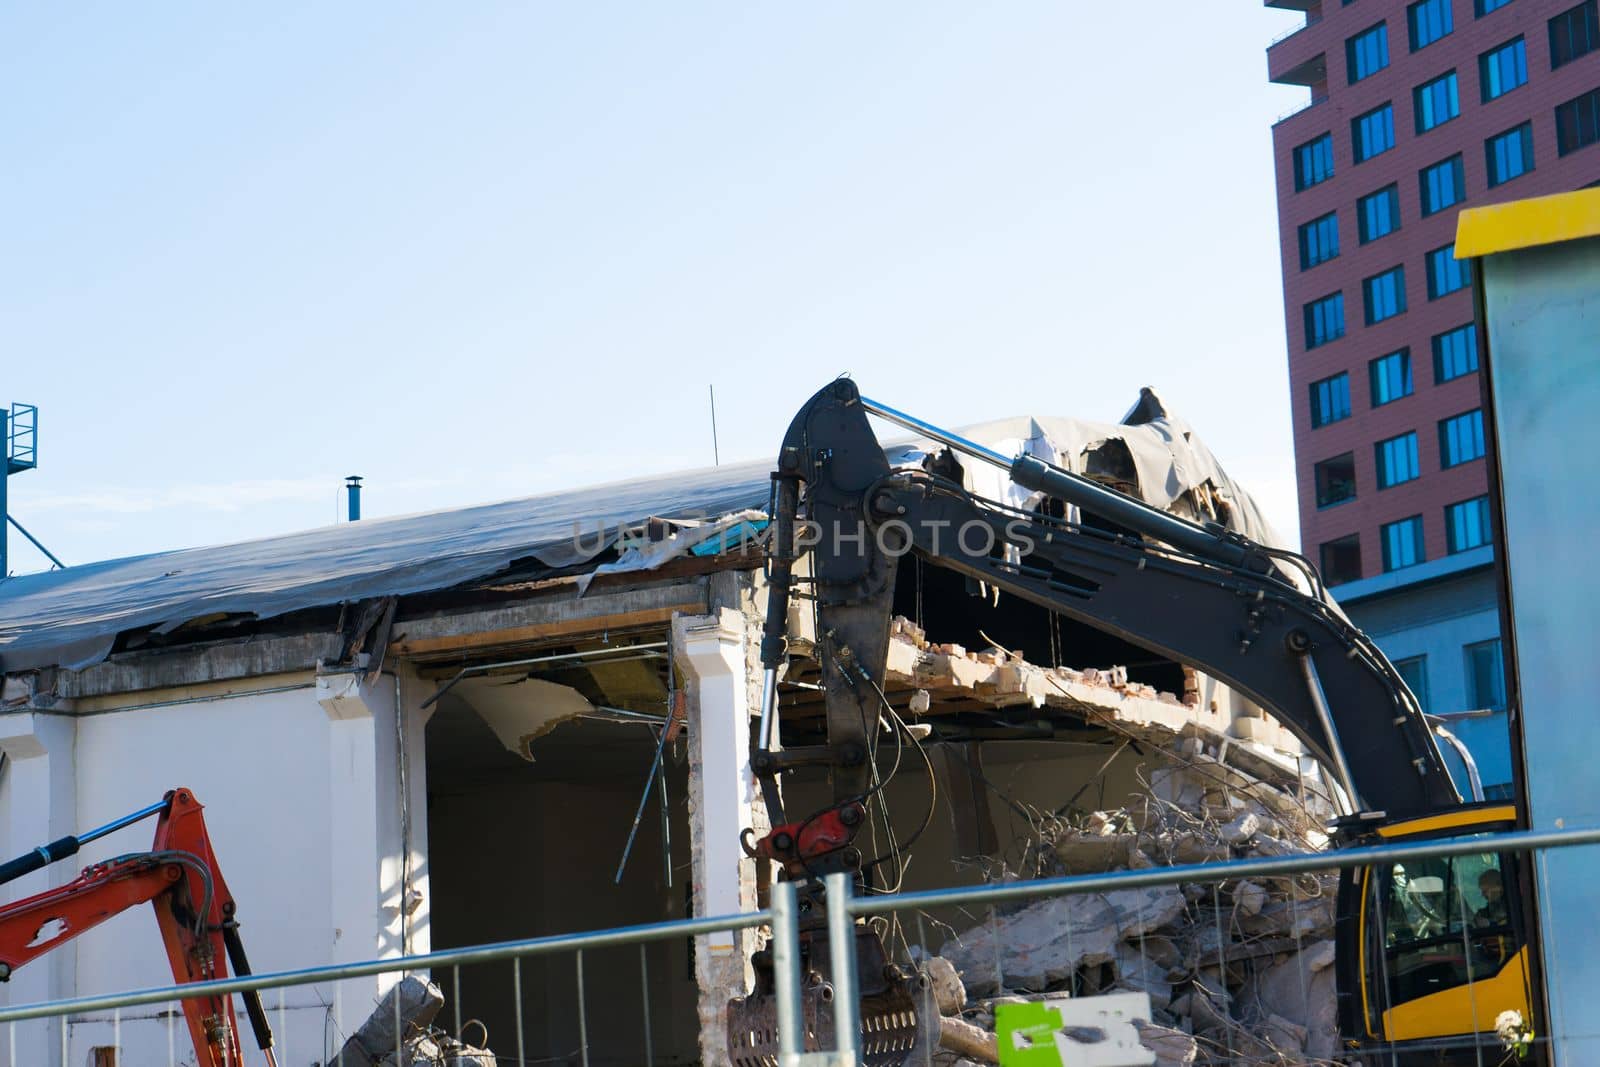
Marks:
<point>842,945</point>
<point>786,972</point>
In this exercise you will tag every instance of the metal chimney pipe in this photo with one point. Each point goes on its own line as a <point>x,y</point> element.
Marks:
<point>352,487</point>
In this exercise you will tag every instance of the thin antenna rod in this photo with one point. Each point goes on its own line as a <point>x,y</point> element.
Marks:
<point>716,453</point>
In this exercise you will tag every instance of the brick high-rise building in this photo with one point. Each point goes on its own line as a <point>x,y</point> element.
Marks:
<point>1416,109</point>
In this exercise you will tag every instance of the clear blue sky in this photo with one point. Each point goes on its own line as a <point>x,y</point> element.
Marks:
<point>479,251</point>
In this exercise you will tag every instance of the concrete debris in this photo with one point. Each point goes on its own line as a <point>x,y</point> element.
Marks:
<point>951,672</point>
<point>1173,1048</point>
<point>1250,898</point>
<point>377,1043</point>
<point>1046,943</point>
<point>948,991</point>
<point>965,1039</point>
<point>1237,972</point>
<point>1242,828</point>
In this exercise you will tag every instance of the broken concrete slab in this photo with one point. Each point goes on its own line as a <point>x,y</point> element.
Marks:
<point>1136,970</point>
<point>1300,989</point>
<point>419,1002</point>
<point>948,991</point>
<point>379,1043</point>
<point>1173,1048</point>
<point>1046,942</point>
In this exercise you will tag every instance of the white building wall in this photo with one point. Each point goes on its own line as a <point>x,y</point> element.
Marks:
<point>301,806</point>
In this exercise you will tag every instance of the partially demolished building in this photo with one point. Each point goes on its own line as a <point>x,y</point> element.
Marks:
<point>435,730</point>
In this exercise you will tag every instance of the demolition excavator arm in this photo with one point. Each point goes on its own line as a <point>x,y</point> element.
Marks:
<point>1251,616</point>
<point>194,910</point>
<point>1199,595</point>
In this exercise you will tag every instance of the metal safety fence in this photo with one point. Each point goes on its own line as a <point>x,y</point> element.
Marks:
<point>1014,929</point>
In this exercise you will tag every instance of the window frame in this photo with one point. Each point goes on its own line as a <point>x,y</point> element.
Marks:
<point>1480,503</point>
<point>1499,673</point>
<point>1469,330</point>
<point>1588,17</point>
<point>1369,289</point>
<point>1308,310</point>
<point>1328,500</point>
<point>1458,171</point>
<point>1412,28</point>
<point>1314,227</point>
<point>1357,143</point>
<point>1379,34</point>
<point>1382,468</point>
<point>1323,141</point>
<point>1348,541</point>
<point>1418,544</point>
<point>1420,689</point>
<point>1401,357</point>
<point>1391,194</point>
<point>1488,61</point>
<point>1460,270</point>
<point>1576,107</point>
<point>1452,100</point>
<point>1448,458</point>
<point>1326,388</point>
<point>1524,133</point>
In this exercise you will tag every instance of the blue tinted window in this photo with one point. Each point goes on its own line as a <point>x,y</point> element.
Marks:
<point>1460,439</point>
<point>1436,102</point>
<point>1367,52</point>
<point>1443,185</point>
<point>1319,240</point>
<point>1313,162</point>
<point>1373,133</point>
<point>1402,543</point>
<point>1330,400</point>
<point>1503,69</point>
<point>1455,352</point>
<point>1429,20</point>
<point>1385,295</point>
<point>1467,524</point>
<point>1379,213</point>
<point>1446,273</point>
<point>1324,320</point>
<point>1390,377</point>
<point>1397,460</point>
<point>1510,154</point>
<point>1483,7</point>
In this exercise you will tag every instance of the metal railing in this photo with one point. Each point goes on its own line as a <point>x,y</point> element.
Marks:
<point>22,437</point>
<point>1311,20</point>
<point>1305,105</point>
<point>843,909</point>
<point>78,1008</point>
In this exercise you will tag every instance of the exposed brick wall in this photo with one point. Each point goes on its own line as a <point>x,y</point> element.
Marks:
<point>1466,134</point>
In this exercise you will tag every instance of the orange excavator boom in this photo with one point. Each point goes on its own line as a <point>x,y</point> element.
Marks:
<point>180,877</point>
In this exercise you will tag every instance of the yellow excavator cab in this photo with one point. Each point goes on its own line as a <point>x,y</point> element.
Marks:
<point>1433,950</point>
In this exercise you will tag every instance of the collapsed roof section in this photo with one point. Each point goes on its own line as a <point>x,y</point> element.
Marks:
<point>72,618</point>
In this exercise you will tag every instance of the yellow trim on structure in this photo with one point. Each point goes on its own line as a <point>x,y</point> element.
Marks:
<point>1539,220</point>
<point>1464,1008</point>
<point>1449,821</point>
<point>1366,974</point>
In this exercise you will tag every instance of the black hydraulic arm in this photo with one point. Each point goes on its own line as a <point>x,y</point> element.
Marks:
<point>1198,595</point>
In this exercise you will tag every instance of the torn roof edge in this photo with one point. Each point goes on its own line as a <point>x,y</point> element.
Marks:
<point>72,618</point>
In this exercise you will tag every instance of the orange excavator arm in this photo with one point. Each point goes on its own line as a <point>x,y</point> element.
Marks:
<point>194,910</point>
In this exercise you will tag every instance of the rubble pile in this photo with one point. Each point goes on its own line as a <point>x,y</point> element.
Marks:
<point>413,1004</point>
<point>1239,972</point>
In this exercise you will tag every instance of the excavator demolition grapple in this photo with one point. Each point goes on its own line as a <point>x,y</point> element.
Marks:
<point>1255,618</point>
